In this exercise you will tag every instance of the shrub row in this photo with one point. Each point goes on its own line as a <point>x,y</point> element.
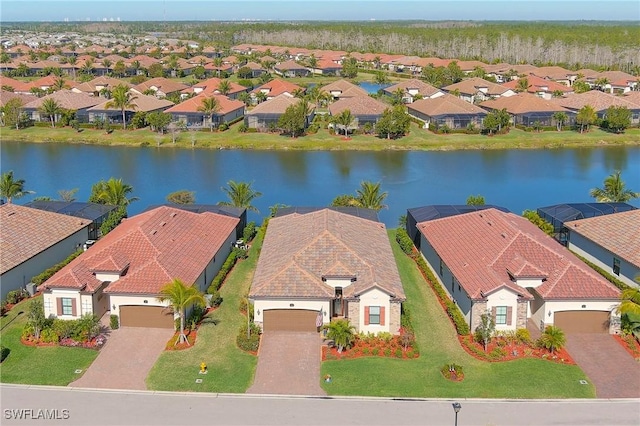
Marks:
<point>48,273</point>
<point>223,272</point>
<point>4,352</point>
<point>15,296</point>
<point>251,343</point>
<point>613,280</point>
<point>403,239</point>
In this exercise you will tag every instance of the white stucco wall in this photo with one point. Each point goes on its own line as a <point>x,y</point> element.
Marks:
<point>504,297</point>
<point>338,282</point>
<point>51,307</point>
<point>259,306</point>
<point>118,300</point>
<point>529,282</point>
<point>107,276</point>
<point>374,297</point>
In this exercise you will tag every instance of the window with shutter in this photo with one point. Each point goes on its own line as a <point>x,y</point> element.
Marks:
<point>374,314</point>
<point>366,315</point>
<point>382,315</point>
<point>501,315</point>
<point>509,314</point>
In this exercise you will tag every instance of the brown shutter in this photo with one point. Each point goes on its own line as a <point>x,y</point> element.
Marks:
<point>493,313</point>
<point>366,315</point>
<point>509,314</point>
<point>381,315</point>
<point>73,307</point>
<point>59,304</point>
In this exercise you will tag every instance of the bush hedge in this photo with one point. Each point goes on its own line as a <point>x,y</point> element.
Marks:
<point>404,241</point>
<point>114,322</point>
<point>251,343</point>
<point>224,271</point>
<point>613,280</point>
<point>15,296</point>
<point>48,273</point>
<point>4,352</point>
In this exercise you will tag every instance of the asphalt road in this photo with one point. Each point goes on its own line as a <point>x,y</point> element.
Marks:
<point>73,406</point>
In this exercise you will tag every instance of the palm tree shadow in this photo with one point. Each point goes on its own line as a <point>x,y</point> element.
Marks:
<point>211,321</point>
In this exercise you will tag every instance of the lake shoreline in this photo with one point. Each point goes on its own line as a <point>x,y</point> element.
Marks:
<point>232,139</point>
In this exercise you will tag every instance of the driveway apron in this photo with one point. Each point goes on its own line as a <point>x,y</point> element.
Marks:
<point>611,369</point>
<point>288,364</point>
<point>126,358</point>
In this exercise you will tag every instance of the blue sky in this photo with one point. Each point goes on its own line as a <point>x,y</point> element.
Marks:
<point>207,10</point>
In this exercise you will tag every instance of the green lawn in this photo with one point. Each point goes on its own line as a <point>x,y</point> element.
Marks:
<point>53,365</point>
<point>436,337</point>
<point>230,369</point>
<point>417,139</point>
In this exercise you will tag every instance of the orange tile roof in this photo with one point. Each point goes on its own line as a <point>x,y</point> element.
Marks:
<point>481,248</point>
<point>160,83</point>
<point>471,86</point>
<point>618,233</point>
<point>600,101</point>
<point>359,105</point>
<point>299,249</point>
<point>538,84</point>
<point>522,103</point>
<point>154,247</point>
<point>445,105</point>
<point>277,87</point>
<point>424,89</point>
<point>27,231</point>
<point>191,105</point>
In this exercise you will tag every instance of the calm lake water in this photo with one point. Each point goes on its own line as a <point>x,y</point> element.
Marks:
<point>517,179</point>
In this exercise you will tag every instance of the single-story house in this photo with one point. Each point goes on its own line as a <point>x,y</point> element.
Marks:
<point>558,214</point>
<point>611,241</point>
<point>344,89</point>
<point>99,84</point>
<point>66,99</point>
<point>619,81</point>
<point>414,88</point>
<point>125,270</point>
<point>476,89</point>
<point>274,88</point>
<point>291,69</point>
<point>93,212</point>
<point>600,102</point>
<point>505,72</point>
<point>210,86</point>
<point>327,67</point>
<point>364,109</point>
<point>447,110</point>
<point>326,264</point>
<point>539,86</point>
<point>143,103</point>
<point>527,109</point>
<point>501,264</point>
<point>269,112</point>
<point>160,86</point>
<point>558,74</point>
<point>33,240</point>
<point>188,111</point>
<point>22,97</point>
<point>235,212</point>
<point>256,69</point>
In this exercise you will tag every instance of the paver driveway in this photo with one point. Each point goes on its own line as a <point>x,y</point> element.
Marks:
<point>126,359</point>
<point>611,369</point>
<point>288,364</point>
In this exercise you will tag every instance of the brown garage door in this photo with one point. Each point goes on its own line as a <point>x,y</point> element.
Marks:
<point>146,316</point>
<point>290,320</point>
<point>582,321</point>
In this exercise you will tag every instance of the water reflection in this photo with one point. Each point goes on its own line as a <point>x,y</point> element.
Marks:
<point>615,158</point>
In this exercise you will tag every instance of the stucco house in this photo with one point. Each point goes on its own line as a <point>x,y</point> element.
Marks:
<point>140,103</point>
<point>33,240</point>
<point>527,109</point>
<point>342,89</point>
<point>125,270</point>
<point>322,264</point>
<point>189,111</point>
<point>67,100</point>
<point>412,89</point>
<point>611,241</point>
<point>477,89</point>
<point>600,102</point>
<point>364,109</point>
<point>291,69</point>
<point>269,112</point>
<point>447,110</point>
<point>499,263</point>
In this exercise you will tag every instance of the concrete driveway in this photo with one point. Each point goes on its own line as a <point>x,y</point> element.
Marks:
<point>611,369</point>
<point>288,364</point>
<point>126,358</point>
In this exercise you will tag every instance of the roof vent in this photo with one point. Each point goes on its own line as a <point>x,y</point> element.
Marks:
<point>154,232</point>
<point>173,214</point>
<point>489,223</point>
<point>503,235</point>
<point>163,223</point>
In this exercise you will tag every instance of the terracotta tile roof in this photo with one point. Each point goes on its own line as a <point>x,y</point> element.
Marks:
<point>619,233</point>
<point>471,86</point>
<point>277,87</point>
<point>445,105</point>
<point>481,248</point>
<point>211,85</point>
<point>277,105</point>
<point>289,65</point>
<point>154,248</point>
<point>27,232</point>
<point>99,83</point>
<point>358,105</point>
<point>191,105</point>
<point>424,89</point>
<point>145,61</point>
<point>588,73</point>
<point>7,96</point>
<point>254,66</point>
<point>554,73</point>
<point>522,103</point>
<point>46,82</point>
<point>344,88</point>
<point>633,97</point>
<point>17,85</point>
<point>617,76</point>
<point>160,84</point>
<point>67,99</point>
<point>142,103</point>
<point>600,101</point>
<point>299,249</point>
<point>470,65</point>
<point>538,84</point>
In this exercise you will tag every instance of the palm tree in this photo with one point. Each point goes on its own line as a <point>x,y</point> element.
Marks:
<point>181,296</point>
<point>51,109</point>
<point>586,116</point>
<point>342,333</point>
<point>58,84</point>
<point>344,120</point>
<point>209,107</point>
<point>553,338</point>
<point>72,60</point>
<point>522,85</point>
<point>122,99</point>
<point>11,188</point>
<point>370,197</point>
<point>397,97</point>
<point>87,67</point>
<point>560,118</point>
<point>114,191</point>
<point>241,195</point>
<point>224,87</point>
<point>630,300</point>
<point>106,63</point>
<point>614,190</point>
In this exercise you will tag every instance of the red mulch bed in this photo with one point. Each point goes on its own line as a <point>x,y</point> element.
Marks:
<point>511,351</point>
<point>362,348</point>
<point>630,344</point>
<point>191,338</point>
<point>92,344</point>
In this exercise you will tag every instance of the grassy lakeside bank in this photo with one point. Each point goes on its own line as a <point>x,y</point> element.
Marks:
<point>418,139</point>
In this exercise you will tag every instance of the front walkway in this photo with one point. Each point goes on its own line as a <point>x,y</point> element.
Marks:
<point>126,358</point>
<point>288,364</point>
<point>614,372</point>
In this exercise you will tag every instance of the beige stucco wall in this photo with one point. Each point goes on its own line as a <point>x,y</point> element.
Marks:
<point>504,297</point>
<point>116,301</point>
<point>344,283</point>
<point>107,276</point>
<point>375,297</point>
<point>577,305</point>
<point>259,306</point>
<point>50,304</point>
